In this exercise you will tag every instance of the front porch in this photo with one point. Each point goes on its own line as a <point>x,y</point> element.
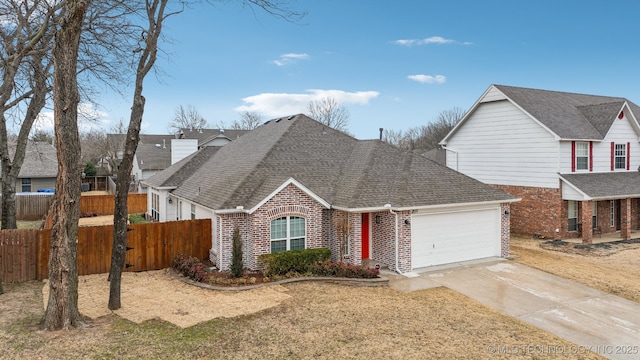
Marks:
<point>604,238</point>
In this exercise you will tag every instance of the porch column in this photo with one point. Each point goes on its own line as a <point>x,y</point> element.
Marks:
<point>587,222</point>
<point>625,218</point>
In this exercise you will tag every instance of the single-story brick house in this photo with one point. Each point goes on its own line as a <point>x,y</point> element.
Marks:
<point>294,183</point>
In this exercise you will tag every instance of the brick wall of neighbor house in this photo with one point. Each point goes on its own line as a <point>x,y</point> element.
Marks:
<point>291,201</point>
<point>537,212</point>
<point>505,229</point>
<point>635,212</point>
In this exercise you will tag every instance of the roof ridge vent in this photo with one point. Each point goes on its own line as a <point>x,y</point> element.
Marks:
<point>291,117</point>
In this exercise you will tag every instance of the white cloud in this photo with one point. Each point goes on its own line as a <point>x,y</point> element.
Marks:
<point>427,41</point>
<point>281,104</point>
<point>88,118</point>
<point>428,79</point>
<point>290,58</point>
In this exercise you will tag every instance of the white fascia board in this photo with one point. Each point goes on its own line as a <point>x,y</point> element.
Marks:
<point>443,142</point>
<point>425,207</point>
<point>459,205</point>
<point>294,182</point>
<point>159,187</point>
<point>634,120</point>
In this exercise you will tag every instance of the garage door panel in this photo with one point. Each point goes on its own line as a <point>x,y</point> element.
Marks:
<point>454,236</point>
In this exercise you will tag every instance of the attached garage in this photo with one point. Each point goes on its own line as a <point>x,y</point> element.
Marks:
<point>455,235</point>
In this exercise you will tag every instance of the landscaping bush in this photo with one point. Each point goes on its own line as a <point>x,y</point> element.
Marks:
<point>292,261</point>
<point>137,219</point>
<point>338,269</point>
<point>237,267</point>
<point>190,267</point>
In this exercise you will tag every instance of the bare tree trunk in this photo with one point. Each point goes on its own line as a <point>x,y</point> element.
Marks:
<point>155,16</point>
<point>62,306</point>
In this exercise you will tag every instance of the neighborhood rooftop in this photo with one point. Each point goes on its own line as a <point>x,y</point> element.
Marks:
<point>343,171</point>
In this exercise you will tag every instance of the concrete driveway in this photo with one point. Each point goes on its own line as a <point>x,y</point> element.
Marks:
<point>604,323</point>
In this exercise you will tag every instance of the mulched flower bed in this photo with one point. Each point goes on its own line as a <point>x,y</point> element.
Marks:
<point>204,272</point>
<point>600,249</point>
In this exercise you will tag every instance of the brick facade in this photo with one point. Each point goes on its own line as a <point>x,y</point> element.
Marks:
<point>537,212</point>
<point>542,211</point>
<point>505,230</point>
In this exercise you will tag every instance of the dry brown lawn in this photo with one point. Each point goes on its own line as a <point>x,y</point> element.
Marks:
<point>309,320</point>
<point>613,268</point>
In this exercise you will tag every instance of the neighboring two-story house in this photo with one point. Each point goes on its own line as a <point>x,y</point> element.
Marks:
<point>572,158</point>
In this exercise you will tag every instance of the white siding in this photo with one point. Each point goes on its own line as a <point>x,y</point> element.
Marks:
<point>620,132</point>
<point>569,193</point>
<point>499,144</point>
<point>493,94</point>
<point>181,148</point>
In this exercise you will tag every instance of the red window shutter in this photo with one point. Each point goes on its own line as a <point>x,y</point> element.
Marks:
<point>573,156</point>
<point>590,155</point>
<point>628,154</point>
<point>613,154</point>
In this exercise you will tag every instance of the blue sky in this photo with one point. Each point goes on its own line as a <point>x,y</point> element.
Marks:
<point>393,64</point>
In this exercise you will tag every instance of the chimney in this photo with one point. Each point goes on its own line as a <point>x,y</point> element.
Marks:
<point>381,133</point>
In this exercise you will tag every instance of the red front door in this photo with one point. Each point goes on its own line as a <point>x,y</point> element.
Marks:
<point>365,236</point>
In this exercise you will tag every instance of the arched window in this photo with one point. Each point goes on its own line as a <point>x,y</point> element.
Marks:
<point>288,233</point>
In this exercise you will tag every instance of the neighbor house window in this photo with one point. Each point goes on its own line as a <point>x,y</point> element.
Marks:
<point>594,214</point>
<point>573,215</point>
<point>193,211</point>
<point>26,185</point>
<point>612,213</point>
<point>582,156</point>
<point>179,210</point>
<point>621,156</point>
<point>155,207</point>
<point>288,233</point>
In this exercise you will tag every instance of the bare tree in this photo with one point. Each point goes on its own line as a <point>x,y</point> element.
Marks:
<point>187,118</point>
<point>249,120</point>
<point>155,10</point>
<point>428,136</point>
<point>26,33</point>
<point>330,112</point>
<point>62,305</point>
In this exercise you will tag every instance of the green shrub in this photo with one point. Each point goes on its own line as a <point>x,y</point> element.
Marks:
<point>292,261</point>
<point>338,269</point>
<point>137,219</point>
<point>236,254</point>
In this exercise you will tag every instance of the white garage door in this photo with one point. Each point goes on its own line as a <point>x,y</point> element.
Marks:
<point>446,237</point>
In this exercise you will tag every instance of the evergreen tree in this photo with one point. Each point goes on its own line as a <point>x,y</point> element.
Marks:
<point>236,254</point>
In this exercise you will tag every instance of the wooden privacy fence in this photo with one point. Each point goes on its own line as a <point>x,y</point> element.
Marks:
<point>104,204</point>
<point>32,206</point>
<point>152,246</point>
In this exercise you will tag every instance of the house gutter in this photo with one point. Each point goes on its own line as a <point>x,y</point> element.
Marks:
<point>388,206</point>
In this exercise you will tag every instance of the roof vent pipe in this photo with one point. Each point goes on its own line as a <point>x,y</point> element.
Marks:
<point>381,133</point>
<point>164,143</point>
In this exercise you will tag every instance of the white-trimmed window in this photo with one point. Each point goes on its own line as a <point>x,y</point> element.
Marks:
<point>594,214</point>
<point>26,184</point>
<point>582,156</point>
<point>621,156</point>
<point>572,212</point>
<point>179,210</point>
<point>155,204</point>
<point>612,213</point>
<point>288,233</point>
<point>193,211</point>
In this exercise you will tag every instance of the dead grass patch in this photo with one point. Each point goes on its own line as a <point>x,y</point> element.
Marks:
<point>316,320</point>
<point>613,268</point>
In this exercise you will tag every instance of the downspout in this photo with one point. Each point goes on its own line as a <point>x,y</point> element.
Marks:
<point>397,257</point>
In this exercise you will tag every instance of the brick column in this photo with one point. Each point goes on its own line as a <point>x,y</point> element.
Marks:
<point>586,219</point>
<point>625,219</point>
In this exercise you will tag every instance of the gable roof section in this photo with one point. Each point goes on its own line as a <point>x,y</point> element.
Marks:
<point>569,116</point>
<point>40,160</point>
<point>335,167</point>
<point>182,170</point>
<point>603,186</point>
